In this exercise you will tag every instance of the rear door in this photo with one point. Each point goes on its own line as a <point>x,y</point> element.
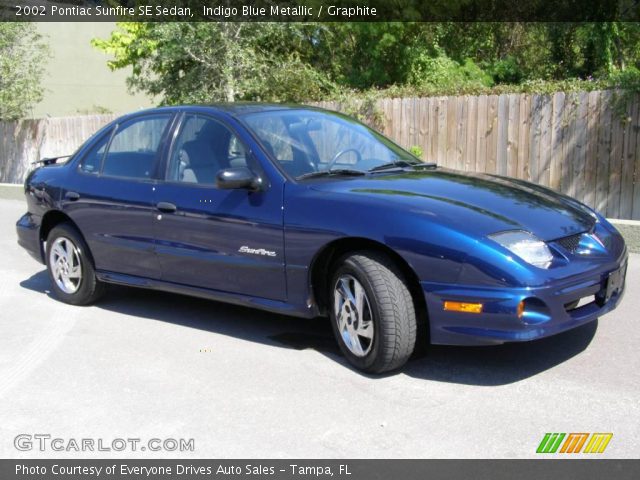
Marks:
<point>225,240</point>
<point>111,195</point>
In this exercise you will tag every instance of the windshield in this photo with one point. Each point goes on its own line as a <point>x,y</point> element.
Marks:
<point>307,141</point>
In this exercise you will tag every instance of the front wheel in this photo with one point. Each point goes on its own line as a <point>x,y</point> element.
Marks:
<point>70,268</point>
<point>372,312</point>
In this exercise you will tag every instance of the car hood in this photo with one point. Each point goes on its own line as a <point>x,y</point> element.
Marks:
<point>479,204</point>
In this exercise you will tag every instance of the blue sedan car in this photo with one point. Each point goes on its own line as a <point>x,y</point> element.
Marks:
<point>306,212</point>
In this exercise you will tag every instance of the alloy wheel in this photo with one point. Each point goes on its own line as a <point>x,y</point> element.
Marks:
<point>353,315</point>
<point>64,261</point>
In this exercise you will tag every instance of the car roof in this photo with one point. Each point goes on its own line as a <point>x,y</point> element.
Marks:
<point>236,109</point>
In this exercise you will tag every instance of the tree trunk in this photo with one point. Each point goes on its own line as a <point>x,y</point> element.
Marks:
<point>230,93</point>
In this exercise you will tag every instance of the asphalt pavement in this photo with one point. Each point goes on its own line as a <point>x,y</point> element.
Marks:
<point>243,383</point>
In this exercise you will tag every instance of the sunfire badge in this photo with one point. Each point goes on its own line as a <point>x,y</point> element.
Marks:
<point>256,251</point>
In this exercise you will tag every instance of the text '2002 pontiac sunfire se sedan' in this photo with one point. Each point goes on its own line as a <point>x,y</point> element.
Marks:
<point>306,212</point>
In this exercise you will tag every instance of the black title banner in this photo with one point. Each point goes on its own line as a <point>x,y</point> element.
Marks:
<point>320,10</point>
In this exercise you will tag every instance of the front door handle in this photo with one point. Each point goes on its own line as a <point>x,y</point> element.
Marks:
<point>166,207</point>
<point>73,196</point>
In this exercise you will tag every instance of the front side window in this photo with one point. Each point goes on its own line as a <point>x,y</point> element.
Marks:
<point>134,148</point>
<point>305,141</point>
<point>204,147</point>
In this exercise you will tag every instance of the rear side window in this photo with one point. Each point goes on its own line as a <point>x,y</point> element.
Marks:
<point>134,148</point>
<point>93,158</point>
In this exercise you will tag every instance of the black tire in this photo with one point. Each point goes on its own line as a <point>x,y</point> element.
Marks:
<point>89,288</point>
<point>391,307</point>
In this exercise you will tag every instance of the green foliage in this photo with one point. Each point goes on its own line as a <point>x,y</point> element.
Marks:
<point>207,62</point>
<point>442,72</point>
<point>416,150</point>
<point>362,106</point>
<point>21,65</point>
<point>289,79</point>
<point>628,79</point>
<point>95,109</point>
<point>357,63</point>
<point>506,70</point>
<point>627,85</point>
<point>544,87</point>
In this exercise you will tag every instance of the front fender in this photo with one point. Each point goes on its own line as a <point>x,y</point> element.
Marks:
<point>314,219</point>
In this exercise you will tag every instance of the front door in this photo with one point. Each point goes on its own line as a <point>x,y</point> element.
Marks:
<point>225,240</point>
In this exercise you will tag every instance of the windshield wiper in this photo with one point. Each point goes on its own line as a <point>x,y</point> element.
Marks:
<point>392,165</point>
<point>336,171</point>
<point>401,164</point>
<point>425,165</point>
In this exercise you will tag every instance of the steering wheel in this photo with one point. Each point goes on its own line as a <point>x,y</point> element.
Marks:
<point>341,153</point>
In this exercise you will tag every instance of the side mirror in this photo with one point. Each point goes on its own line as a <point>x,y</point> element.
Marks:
<point>237,177</point>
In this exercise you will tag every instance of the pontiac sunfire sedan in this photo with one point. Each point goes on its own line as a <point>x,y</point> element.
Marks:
<point>306,212</point>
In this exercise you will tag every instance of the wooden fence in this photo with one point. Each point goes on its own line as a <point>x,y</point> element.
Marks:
<point>26,141</point>
<point>586,145</point>
<point>579,143</point>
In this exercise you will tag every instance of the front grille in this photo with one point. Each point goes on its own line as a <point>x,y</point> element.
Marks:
<point>570,243</point>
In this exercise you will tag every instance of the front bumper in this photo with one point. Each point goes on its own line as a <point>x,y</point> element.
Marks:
<point>547,309</point>
<point>28,230</point>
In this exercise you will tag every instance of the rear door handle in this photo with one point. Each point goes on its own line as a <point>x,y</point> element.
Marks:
<point>166,207</point>
<point>73,196</point>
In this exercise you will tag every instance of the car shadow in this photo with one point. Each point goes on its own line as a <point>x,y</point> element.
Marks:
<point>486,366</point>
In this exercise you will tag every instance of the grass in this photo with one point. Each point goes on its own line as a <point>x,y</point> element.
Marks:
<point>631,234</point>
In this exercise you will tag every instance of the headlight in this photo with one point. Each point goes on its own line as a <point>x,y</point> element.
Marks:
<point>526,246</point>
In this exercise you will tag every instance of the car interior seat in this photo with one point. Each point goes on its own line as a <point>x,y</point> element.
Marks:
<point>206,154</point>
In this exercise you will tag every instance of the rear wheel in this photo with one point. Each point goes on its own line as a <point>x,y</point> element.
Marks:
<point>372,312</point>
<point>70,268</point>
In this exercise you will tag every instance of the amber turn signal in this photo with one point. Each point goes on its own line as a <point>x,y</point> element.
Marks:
<point>463,307</point>
<point>521,309</point>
